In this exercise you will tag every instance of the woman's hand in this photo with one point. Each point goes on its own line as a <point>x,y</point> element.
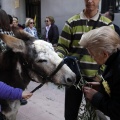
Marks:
<point>94,85</point>
<point>89,92</point>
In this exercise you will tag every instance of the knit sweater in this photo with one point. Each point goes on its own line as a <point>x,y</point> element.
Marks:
<point>73,29</point>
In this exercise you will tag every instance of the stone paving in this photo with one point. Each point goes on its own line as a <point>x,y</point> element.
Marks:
<point>47,103</point>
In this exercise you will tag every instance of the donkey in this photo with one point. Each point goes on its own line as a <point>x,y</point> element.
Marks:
<point>26,60</point>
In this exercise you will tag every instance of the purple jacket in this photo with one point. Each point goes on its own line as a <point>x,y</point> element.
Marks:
<point>8,92</point>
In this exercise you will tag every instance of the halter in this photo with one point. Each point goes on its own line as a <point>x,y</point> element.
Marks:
<point>44,77</point>
<point>49,77</point>
<point>67,60</point>
<point>73,64</point>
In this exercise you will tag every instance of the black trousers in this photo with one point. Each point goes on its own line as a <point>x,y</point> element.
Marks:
<point>73,99</point>
<point>2,117</point>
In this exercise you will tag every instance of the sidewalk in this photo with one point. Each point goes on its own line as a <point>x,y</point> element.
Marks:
<point>47,103</point>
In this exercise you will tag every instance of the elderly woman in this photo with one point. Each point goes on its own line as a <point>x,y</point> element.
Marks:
<point>51,31</point>
<point>103,44</point>
<point>16,24</point>
<point>30,28</point>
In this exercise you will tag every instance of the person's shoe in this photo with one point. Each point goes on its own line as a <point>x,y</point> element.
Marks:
<point>23,102</point>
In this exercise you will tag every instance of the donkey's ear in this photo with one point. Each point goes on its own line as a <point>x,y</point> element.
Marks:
<point>21,34</point>
<point>17,45</point>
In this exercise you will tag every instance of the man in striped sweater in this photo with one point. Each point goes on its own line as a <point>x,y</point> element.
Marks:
<point>74,28</point>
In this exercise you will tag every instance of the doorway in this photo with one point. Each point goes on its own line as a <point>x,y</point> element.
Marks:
<point>33,10</point>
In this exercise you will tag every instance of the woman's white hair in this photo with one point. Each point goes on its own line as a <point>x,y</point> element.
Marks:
<point>103,38</point>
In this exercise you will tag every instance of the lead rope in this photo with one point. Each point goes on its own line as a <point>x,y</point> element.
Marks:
<point>39,86</point>
<point>49,77</point>
<point>81,82</point>
<point>86,110</point>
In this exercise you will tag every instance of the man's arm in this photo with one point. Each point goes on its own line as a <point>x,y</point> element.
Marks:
<point>64,40</point>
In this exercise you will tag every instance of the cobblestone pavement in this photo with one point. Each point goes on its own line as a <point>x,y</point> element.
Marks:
<point>47,103</point>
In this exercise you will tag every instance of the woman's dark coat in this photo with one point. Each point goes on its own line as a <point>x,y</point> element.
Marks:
<point>53,34</point>
<point>110,105</point>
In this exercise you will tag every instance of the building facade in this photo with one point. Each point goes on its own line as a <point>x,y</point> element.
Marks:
<point>15,8</point>
<point>61,10</point>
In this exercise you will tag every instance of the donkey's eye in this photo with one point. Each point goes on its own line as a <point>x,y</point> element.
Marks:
<point>42,60</point>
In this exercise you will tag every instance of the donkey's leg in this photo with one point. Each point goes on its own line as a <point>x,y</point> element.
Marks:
<point>14,106</point>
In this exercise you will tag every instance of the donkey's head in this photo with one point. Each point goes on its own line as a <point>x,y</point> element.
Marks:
<point>41,61</point>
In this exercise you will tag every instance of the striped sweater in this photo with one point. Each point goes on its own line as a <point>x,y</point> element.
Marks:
<point>68,45</point>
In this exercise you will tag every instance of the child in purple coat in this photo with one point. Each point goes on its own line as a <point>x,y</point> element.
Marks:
<point>8,92</point>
